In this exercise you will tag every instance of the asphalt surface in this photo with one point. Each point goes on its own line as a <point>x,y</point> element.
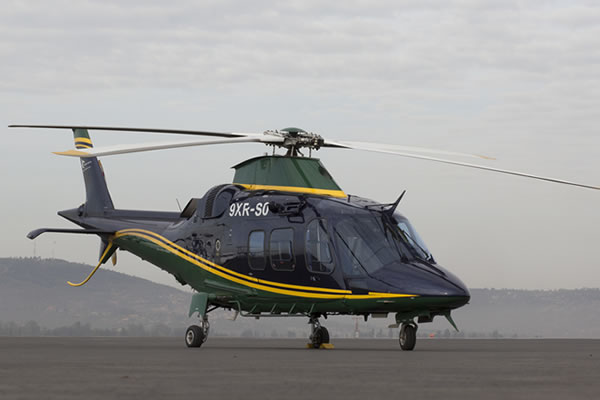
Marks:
<point>163,368</point>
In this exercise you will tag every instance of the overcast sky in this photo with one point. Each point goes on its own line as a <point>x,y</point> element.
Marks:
<point>517,80</point>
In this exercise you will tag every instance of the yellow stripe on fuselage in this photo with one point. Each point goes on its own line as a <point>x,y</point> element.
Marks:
<point>250,278</point>
<point>229,277</point>
<point>295,189</point>
<point>282,288</point>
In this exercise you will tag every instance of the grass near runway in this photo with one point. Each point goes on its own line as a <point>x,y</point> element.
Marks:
<point>163,368</point>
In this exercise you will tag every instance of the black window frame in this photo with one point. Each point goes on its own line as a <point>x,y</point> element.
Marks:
<point>292,261</point>
<point>328,242</point>
<point>264,250</point>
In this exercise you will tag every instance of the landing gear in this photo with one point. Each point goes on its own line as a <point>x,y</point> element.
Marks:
<point>196,335</point>
<point>319,335</point>
<point>408,336</point>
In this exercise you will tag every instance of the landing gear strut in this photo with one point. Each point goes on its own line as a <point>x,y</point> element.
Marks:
<point>196,335</point>
<point>408,336</point>
<point>319,335</point>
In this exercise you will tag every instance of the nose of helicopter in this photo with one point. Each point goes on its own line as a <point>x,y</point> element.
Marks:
<point>459,288</point>
<point>428,281</point>
<point>458,295</point>
<point>449,290</point>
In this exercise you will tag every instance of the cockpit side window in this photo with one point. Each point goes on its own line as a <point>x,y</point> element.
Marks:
<point>318,251</point>
<point>281,245</point>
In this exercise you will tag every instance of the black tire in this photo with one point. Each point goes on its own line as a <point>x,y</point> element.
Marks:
<point>408,337</point>
<point>320,336</point>
<point>194,336</point>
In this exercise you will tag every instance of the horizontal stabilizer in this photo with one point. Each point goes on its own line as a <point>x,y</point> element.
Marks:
<point>37,232</point>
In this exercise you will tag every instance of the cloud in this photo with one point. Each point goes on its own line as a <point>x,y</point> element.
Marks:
<point>391,46</point>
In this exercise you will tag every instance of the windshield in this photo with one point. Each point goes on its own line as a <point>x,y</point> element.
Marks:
<point>366,245</point>
<point>411,236</point>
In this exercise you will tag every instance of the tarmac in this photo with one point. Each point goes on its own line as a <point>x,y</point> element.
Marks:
<point>227,368</point>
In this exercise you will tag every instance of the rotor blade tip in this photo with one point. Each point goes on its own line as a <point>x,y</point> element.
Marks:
<point>72,153</point>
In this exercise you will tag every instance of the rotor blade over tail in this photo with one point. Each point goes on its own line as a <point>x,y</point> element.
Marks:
<point>136,148</point>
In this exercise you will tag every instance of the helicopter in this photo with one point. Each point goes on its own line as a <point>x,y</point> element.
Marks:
<point>282,240</point>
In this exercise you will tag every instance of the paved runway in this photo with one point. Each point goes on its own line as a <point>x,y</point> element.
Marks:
<point>163,368</point>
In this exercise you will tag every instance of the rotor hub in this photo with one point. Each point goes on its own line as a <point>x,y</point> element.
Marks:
<point>295,139</point>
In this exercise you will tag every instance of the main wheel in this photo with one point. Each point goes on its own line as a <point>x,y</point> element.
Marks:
<point>320,336</point>
<point>408,337</point>
<point>194,336</point>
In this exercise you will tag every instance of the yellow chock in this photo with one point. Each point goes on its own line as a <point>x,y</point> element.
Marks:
<point>326,346</point>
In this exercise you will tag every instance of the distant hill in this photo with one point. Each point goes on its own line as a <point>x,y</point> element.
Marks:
<point>33,289</point>
<point>36,289</point>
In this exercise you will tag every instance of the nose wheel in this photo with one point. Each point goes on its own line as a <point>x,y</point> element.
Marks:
<point>196,335</point>
<point>320,335</point>
<point>408,336</point>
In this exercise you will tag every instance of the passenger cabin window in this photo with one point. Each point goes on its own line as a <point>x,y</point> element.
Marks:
<point>281,249</point>
<point>318,249</point>
<point>256,250</point>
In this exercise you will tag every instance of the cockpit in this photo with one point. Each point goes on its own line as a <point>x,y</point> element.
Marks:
<point>370,242</point>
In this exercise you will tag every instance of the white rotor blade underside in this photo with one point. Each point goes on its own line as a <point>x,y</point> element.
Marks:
<point>476,166</point>
<point>407,149</point>
<point>136,148</point>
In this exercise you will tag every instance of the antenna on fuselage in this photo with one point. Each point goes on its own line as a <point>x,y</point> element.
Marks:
<point>390,211</point>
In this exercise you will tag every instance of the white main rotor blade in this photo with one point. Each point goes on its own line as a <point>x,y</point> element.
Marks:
<point>348,145</point>
<point>136,148</point>
<point>367,146</point>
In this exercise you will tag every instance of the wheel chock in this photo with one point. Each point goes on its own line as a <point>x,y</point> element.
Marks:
<point>325,346</point>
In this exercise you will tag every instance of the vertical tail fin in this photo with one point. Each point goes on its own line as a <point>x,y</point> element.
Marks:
<point>96,191</point>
